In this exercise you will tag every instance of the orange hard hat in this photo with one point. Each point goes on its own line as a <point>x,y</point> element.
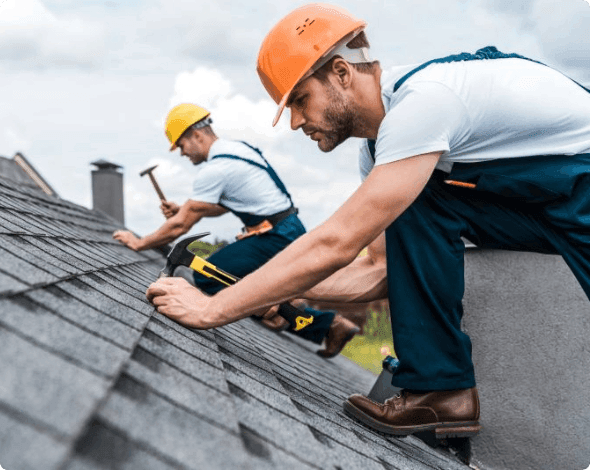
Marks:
<point>290,50</point>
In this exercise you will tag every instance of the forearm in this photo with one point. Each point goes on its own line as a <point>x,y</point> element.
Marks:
<point>361,281</point>
<point>170,231</point>
<point>303,264</point>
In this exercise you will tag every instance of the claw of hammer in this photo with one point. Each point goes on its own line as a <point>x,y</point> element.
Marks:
<point>156,185</point>
<point>179,256</point>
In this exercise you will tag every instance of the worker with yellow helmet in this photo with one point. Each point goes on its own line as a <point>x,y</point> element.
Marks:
<point>489,146</point>
<point>234,176</point>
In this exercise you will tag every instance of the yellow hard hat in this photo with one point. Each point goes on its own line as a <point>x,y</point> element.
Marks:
<point>180,118</point>
<point>298,42</point>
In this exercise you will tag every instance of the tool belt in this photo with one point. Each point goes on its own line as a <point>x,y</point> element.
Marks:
<point>267,224</point>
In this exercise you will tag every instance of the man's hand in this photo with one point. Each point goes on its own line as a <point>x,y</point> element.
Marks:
<point>181,302</point>
<point>169,208</point>
<point>127,239</point>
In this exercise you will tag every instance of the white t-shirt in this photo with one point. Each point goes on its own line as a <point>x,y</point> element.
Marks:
<point>480,110</point>
<point>236,184</point>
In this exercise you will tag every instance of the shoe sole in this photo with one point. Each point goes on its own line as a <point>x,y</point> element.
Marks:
<point>441,430</point>
<point>346,340</point>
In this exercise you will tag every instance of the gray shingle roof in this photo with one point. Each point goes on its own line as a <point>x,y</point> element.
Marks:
<point>93,378</point>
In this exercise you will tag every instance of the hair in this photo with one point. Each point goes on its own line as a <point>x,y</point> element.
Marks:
<point>360,40</point>
<point>207,130</point>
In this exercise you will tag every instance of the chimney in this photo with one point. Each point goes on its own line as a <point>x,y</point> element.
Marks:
<point>107,189</point>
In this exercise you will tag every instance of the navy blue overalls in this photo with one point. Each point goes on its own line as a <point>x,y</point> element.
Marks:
<point>538,204</point>
<point>248,254</point>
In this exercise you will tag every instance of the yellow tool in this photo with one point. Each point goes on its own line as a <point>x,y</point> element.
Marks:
<point>302,322</point>
<point>210,270</point>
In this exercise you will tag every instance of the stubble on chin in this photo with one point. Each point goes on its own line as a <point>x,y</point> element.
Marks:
<point>339,120</point>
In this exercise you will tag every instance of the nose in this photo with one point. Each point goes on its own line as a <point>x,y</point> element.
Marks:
<point>297,119</point>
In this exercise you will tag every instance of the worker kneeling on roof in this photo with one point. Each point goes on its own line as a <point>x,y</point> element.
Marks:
<point>234,176</point>
<point>488,146</point>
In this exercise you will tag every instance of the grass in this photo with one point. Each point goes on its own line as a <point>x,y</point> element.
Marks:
<point>369,349</point>
<point>204,249</point>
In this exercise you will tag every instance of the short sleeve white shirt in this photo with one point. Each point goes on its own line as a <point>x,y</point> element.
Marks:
<point>236,184</point>
<point>480,110</point>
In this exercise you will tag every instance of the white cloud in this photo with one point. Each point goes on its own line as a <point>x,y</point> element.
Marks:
<point>234,114</point>
<point>32,36</point>
<point>12,141</point>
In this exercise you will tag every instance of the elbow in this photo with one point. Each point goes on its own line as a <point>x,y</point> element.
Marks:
<point>178,229</point>
<point>337,249</point>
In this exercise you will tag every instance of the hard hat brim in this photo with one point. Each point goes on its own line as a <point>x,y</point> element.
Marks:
<point>282,105</point>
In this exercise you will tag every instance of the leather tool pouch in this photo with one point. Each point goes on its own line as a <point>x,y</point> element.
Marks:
<point>262,227</point>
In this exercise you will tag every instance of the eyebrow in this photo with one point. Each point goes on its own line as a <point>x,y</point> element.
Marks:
<point>293,96</point>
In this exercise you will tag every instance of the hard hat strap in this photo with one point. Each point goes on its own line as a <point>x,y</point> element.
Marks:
<point>354,56</point>
<point>207,121</point>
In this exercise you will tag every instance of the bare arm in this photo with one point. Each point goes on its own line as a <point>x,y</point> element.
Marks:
<point>386,193</point>
<point>180,223</point>
<point>363,280</point>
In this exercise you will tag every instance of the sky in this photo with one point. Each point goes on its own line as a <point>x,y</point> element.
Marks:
<point>83,80</point>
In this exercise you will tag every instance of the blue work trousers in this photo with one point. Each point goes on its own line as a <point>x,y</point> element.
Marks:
<point>244,256</point>
<point>537,204</point>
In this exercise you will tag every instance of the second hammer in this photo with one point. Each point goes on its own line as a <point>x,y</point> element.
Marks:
<point>156,185</point>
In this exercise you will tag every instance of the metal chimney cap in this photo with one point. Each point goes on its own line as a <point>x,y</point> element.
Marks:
<point>105,165</point>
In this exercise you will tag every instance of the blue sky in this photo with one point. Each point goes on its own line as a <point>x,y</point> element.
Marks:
<point>83,80</point>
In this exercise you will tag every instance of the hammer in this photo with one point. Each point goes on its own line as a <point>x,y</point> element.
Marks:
<point>297,317</point>
<point>156,186</point>
<point>179,256</point>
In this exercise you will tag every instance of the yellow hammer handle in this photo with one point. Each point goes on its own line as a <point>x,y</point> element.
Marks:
<point>210,270</point>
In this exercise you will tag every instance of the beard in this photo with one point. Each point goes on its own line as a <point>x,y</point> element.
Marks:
<point>339,120</point>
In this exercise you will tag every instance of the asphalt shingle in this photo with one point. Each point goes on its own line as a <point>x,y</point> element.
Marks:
<point>22,270</point>
<point>61,336</point>
<point>102,448</point>
<point>174,431</point>
<point>45,386</point>
<point>59,301</point>
<point>16,453</point>
<point>10,285</point>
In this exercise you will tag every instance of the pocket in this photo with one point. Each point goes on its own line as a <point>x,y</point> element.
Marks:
<point>529,179</point>
<point>519,189</point>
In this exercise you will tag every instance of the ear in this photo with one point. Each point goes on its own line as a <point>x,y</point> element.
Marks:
<point>198,135</point>
<point>343,72</point>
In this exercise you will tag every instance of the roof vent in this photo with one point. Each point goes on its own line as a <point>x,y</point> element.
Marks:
<point>107,189</point>
<point>104,165</point>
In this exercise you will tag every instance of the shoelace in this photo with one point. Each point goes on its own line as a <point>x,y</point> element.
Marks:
<point>392,401</point>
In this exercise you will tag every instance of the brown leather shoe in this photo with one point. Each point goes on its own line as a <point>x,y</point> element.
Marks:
<point>341,332</point>
<point>452,413</point>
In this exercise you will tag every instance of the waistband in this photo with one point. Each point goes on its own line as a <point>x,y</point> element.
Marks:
<point>280,216</point>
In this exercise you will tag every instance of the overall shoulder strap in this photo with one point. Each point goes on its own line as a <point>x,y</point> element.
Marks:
<point>269,169</point>
<point>486,53</point>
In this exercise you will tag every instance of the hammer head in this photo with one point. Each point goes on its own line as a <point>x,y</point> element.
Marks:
<point>149,170</point>
<point>179,256</point>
